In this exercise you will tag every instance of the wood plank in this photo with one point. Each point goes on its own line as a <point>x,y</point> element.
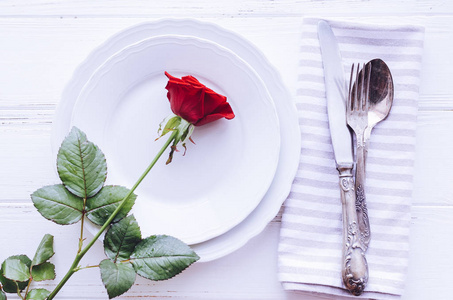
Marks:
<point>232,8</point>
<point>430,266</point>
<point>433,178</point>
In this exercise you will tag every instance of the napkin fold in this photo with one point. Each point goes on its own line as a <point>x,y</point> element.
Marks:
<point>310,247</point>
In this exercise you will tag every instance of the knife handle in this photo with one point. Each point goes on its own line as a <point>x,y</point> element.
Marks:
<point>354,267</point>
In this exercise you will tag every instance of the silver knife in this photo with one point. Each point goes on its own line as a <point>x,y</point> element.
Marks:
<point>354,264</point>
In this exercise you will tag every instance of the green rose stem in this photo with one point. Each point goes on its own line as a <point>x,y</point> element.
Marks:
<point>75,265</point>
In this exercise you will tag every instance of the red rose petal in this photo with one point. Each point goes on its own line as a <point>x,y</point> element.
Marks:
<point>196,103</point>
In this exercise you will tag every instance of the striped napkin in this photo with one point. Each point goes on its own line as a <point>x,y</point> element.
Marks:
<point>310,248</point>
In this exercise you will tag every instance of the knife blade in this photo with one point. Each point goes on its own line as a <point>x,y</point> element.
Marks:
<point>354,264</point>
<point>335,93</point>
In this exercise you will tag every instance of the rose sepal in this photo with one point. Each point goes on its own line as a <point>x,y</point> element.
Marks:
<point>183,128</point>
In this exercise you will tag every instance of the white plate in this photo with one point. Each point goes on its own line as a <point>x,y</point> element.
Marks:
<point>289,129</point>
<point>223,177</point>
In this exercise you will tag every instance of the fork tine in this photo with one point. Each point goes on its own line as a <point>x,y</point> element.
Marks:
<point>363,89</point>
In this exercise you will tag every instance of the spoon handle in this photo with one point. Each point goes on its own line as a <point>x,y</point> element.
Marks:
<point>361,205</point>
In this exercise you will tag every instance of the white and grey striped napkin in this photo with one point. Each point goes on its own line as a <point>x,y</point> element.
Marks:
<point>310,249</point>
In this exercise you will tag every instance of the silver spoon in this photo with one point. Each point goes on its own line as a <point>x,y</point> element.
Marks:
<point>380,97</point>
<point>380,102</point>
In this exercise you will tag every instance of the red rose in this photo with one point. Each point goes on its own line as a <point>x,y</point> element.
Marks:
<point>196,103</point>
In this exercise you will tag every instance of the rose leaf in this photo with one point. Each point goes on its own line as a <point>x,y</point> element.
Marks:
<point>11,286</point>
<point>100,207</point>
<point>162,257</point>
<point>2,295</point>
<point>45,271</point>
<point>57,204</point>
<point>121,239</point>
<point>17,268</point>
<point>44,251</point>
<point>37,294</point>
<point>117,277</point>
<point>81,165</point>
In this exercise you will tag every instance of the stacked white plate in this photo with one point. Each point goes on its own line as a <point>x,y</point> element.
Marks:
<point>233,181</point>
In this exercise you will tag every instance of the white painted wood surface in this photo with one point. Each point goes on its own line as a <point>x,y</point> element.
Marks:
<point>42,42</point>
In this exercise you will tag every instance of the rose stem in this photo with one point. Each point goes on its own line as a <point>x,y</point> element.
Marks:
<point>79,255</point>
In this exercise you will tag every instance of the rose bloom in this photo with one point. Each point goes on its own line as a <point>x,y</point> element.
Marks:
<point>196,103</point>
<point>193,104</point>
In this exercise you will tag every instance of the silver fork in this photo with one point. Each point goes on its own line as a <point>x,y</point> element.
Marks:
<point>357,119</point>
<point>355,268</point>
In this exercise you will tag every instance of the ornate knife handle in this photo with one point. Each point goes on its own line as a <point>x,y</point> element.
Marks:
<point>355,267</point>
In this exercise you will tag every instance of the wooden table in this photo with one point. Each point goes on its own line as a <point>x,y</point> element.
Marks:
<point>41,44</point>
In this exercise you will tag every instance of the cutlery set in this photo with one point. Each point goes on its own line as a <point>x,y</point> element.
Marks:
<point>366,102</point>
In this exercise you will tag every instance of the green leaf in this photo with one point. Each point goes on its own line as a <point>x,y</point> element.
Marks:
<point>44,271</point>
<point>81,165</point>
<point>57,204</point>
<point>162,257</point>
<point>44,251</point>
<point>16,269</point>
<point>121,239</point>
<point>100,207</point>
<point>10,286</point>
<point>23,258</point>
<point>37,294</point>
<point>2,295</point>
<point>117,277</point>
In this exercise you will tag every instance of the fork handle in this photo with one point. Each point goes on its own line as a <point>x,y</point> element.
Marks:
<point>361,205</point>
<point>354,267</point>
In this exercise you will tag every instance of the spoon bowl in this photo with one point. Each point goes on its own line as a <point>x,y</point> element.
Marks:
<point>381,92</point>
